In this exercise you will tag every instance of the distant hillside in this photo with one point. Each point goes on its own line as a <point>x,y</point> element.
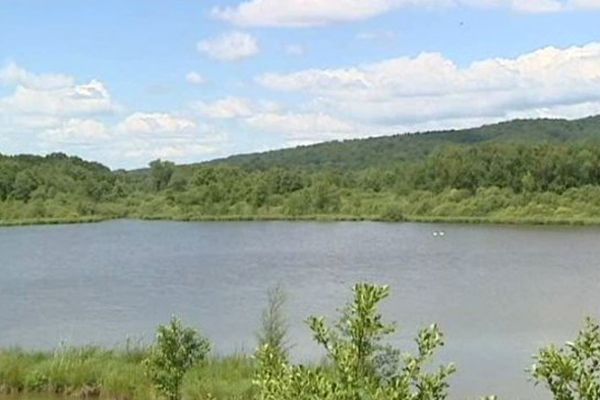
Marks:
<point>535,171</point>
<point>381,151</point>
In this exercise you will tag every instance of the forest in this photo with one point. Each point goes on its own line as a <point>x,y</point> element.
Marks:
<point>535,171</point>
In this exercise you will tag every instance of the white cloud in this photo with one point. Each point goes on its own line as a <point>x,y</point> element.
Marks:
<point>303,13</point>
<point>233,46</point>
<point>306,13</point>
<point>585,4</point>
<point>303,128</point>
<point>226,108</point>
<point>156,124</point>
<point>90,98</point>
<point>146,136</point>
<point>12,74</point>
<point>53,112</point>
<point>432,87</point>
<point>537,6</point>
<point>52,94</point>
<point>195,78</point>
<point>260,117</point>
<point>77,131</point>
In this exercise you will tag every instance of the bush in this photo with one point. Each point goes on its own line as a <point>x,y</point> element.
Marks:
<point>274,327</point>
<point>361,367</point>
<point>176,351</point>
<point>573,371</point>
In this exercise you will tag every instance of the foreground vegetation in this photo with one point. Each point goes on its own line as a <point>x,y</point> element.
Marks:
<point>360,364</point>
<point>517,172</point>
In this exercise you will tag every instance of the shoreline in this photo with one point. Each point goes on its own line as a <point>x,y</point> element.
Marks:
<point>531,221</point>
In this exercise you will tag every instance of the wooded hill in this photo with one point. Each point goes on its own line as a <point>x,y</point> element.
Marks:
<point>519,171</point>
<point>389,150</point>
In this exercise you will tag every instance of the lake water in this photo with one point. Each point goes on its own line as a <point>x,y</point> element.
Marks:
<point>499,293</point>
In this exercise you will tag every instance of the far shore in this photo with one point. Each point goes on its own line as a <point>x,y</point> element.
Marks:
<point>314,217</point>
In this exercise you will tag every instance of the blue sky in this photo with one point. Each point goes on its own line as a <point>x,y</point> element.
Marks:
<point>124,82</point>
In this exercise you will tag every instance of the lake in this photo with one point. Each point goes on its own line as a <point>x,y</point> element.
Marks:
<point>498,292</point>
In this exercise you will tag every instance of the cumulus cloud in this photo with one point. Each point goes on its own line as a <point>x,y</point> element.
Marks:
<point>303,128</point>
<point>12,74</point>
<point>42,95</point>
<point>53,112</point>
<point>586,4</point>
<point>263,117</point>
<point>145,136</point>
<point>430,86</point>
<point>302,13</point>
<point>77,131</point>
<point>89,98</point>
<point>226,108</point>
<point>233,46</point>
<point>306,13</point>
<point>156,124</point>
<point>195,78</point>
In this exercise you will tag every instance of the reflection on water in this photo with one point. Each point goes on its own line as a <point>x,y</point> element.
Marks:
<point>498,292</point>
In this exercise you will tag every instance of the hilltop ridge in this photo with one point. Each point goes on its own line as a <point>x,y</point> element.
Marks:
<point>385,150</point>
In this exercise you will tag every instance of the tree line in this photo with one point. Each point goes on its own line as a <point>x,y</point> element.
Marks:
<point>490,180</point>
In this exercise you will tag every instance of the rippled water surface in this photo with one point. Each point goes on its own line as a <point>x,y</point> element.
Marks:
<point>498,292</point>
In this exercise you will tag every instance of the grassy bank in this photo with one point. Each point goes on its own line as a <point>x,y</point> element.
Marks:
<point>53,221</point>
<point>116,374</point>
<point>377,218</point>
<point>496,220</point>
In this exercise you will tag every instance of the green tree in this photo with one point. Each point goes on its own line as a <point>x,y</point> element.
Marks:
<point>25,184</point>
<point>161,172</point>
<point>176,351</point>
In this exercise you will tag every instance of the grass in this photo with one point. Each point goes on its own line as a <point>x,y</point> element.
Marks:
<point>86,372</point>
<point>502,220</point>
<point>492,218</point>
<point>506,220</point>
<point>52,221</point>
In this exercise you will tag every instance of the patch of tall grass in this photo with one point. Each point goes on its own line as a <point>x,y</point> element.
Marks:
<point>93,372</point>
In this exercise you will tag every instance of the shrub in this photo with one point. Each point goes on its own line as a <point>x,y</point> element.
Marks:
<point>573,371</point>
<point>176,351</point>
<point>360,366</point>
<point>274,327</point>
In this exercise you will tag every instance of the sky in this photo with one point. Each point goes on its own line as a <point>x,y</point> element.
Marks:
<point>125,82</point>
